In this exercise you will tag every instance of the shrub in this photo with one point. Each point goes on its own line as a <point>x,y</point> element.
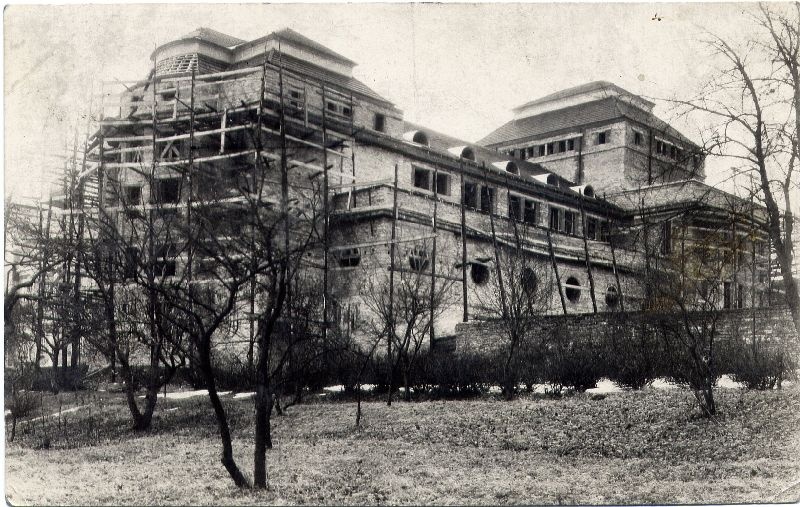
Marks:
<point>574,363</point>
<point>756,365</point>
<point>631,354</point>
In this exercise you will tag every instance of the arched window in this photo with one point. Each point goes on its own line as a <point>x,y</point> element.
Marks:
<point>512,168</point>
<point>612,297</point>
<point>573,291</point>
<point>468,153</point>
<point>552,179</point>
<point>418,259</point>
<point>479,273</point>
<point>588,191</point>
<point>420,137</point>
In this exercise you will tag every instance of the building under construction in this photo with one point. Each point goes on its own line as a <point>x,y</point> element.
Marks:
<point>586,181</point>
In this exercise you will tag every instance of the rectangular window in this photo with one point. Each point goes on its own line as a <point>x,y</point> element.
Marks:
<point>673,152</point>
<point>131,263</point>
<point>422,178</point>
<point>530,212</point>
<point>442,183</point>
<point>530,151</point>
<point>380,122</point>
<point>571,144</point>
<point>659,147</point>
<point>166,191</point>
<point>296,99</point>
<point>602,138</point>
<point>569,222</point>
<point>666,238</point>
<point>605,231</point>
<point>726,293</point>
<point>339,109</point>
<point>591,228</point>
<point>740,296</point>
<point>164,264</point>
<point>550,147</point>
<point>514,203</point>
<point>132,195</point>
<point>562,146</point>
<point>555,219</point>
<point>637,138</point>
<point>541,150</point>
<point>487,199</point>
<point>470,198</point>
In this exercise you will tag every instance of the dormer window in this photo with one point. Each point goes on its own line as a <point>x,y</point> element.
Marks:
<point>468,153</point>
<point>420,138</point>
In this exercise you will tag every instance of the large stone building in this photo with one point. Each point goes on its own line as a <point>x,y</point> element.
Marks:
<point>602,189</point>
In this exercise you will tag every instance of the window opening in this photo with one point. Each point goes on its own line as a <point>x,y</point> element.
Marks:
<point>422,178</point>
<point>514,203</point>
<point>442,183</point>
<point>479,273</point>
<point>380,122</point>
<point>470,195</point>
<point>349,257</point>
<point>573,291</point>
<point>487,199</point>
<point>612,297</point>
<point>418,259</point>
<point>530,212</point>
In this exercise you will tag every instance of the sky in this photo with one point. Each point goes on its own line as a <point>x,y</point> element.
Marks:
<point>458,69</point>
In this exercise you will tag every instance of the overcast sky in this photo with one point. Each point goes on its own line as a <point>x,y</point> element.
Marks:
<point>458,69</point>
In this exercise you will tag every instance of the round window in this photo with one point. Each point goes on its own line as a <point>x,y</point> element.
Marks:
<point>530,282</point>
<point>480,273</point>
<point>573,289</point>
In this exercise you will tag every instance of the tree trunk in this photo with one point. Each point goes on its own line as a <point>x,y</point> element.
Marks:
<point>222,419</point>
<point>263,440</point>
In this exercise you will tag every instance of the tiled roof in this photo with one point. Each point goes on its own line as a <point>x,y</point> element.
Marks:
<point>552,122</point>
<point>214,37</point>
<point>288,34</point>
<point>578,90</point>
<point>318,73</point>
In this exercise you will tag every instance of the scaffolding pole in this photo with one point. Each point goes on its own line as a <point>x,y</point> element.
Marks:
<point>498,265</point>
<point>325,227</point>
<point>433,256</point>
<point>586,255</point>
<point>555,270</point>
<point>463,245</point>
<point>391,290</point>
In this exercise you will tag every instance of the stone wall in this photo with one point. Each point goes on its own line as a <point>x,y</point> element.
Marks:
<point>772,325</point>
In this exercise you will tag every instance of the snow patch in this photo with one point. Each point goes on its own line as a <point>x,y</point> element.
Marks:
<point>727,382</point>
<point>238,396</point>
<point>182,395</point>
<point>662,383</point>
<point>605,386</point>
<point>334,389</point>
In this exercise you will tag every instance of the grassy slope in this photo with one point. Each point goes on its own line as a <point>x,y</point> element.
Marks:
<point>634,447</point>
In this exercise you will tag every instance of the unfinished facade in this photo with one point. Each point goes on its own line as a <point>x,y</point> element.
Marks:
<point>587,181</point>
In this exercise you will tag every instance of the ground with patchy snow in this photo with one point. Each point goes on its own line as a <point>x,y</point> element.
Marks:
<point>628,447</point>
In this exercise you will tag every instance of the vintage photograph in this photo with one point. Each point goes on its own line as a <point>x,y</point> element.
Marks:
<point>402,253</point>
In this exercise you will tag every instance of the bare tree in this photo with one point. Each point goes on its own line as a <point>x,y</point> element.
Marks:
<point>518,304</point>
<point>406,316</point>
<point>751,105</point>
